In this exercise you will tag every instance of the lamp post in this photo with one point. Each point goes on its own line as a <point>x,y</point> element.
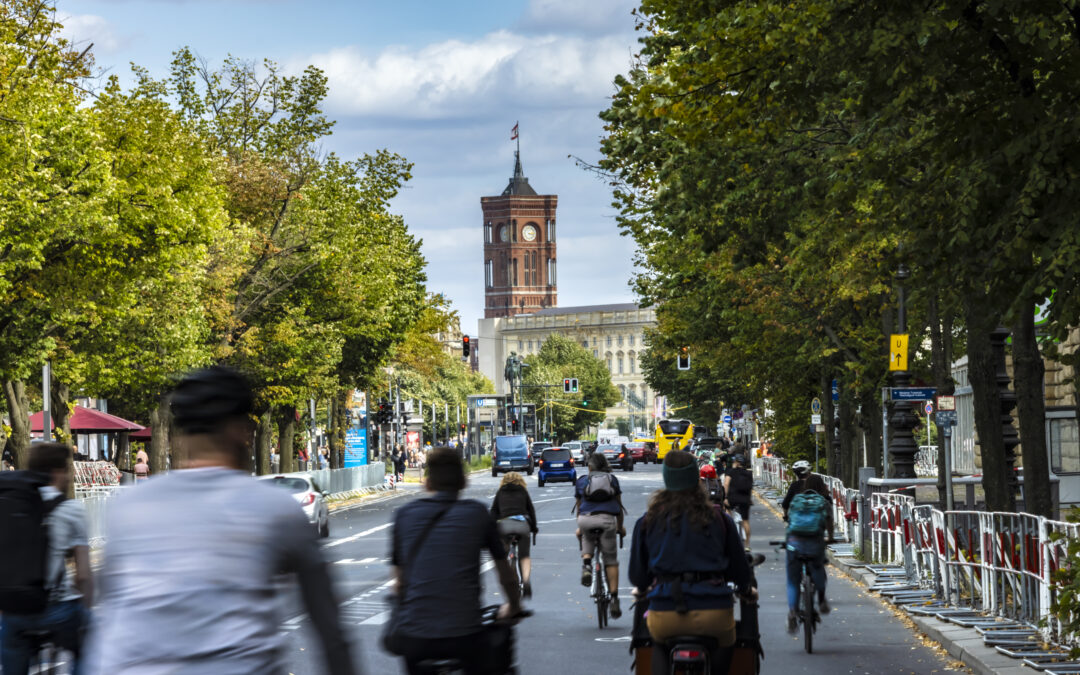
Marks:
<point>902,446</point>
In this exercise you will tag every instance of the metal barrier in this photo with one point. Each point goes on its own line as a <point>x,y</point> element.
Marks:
<point>351,479</point>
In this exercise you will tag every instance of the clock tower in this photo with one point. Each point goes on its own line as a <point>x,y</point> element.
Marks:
<point>519,248</point>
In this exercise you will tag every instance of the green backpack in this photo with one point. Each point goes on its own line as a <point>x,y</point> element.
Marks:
<point>807,515</point>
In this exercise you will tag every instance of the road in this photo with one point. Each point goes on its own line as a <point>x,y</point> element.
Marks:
<point>860,636</point>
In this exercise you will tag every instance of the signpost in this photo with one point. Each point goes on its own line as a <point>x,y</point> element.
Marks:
<point>815,419</point>
<point>912,393</point>
<point>946,419</point>
<point>898,352</point>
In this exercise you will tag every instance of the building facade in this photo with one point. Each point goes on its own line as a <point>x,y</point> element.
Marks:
<point>519,249</point>
<point>612,333</point>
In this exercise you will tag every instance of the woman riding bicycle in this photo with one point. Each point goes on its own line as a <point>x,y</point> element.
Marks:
<point>513,509</point>
<point>684,553</point>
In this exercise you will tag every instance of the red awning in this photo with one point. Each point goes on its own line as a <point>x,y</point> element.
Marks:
<point>140,435</point>
<point>88,421</point>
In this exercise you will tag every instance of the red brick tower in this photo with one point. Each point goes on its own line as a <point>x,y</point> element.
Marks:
<point>519,248</point>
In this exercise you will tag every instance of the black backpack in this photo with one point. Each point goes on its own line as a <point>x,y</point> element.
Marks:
<point>24,542</point>
<point>740,486</point>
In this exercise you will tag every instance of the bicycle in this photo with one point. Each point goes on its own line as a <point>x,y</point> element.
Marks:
<point>806,611</point>
<point>505,647</point>
<point>513,558</point>
<point>600,593</point>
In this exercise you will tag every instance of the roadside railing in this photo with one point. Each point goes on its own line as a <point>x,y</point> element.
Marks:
<point>998,563</point>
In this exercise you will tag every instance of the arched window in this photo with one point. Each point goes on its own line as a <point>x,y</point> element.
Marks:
<point>488,273</point>
<point>514,278</point>
<point>487,232</point>
<point>513,231</point>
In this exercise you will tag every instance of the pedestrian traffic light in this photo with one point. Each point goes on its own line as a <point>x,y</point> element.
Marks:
<point>566,385</point>
<point>684,358</point>
<point>465,345</point>
<point>573,385</point>
<point>569,385</point>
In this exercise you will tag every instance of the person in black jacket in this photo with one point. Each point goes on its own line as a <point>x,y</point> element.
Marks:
<point>513,509</point>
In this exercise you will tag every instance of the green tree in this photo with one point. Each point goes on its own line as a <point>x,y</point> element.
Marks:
<point>560,357</point>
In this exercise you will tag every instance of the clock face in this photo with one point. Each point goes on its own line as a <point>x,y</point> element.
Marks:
<point>504,233</point>
<point>529,233</point>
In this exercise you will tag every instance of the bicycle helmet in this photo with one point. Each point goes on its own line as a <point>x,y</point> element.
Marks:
<point>801,466</point>
<point>741,459</point>
<point>708,471</point>
<point>206,399</point>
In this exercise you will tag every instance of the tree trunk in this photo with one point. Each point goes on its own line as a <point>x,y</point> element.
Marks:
<point>827,422</point>
<point>983,379</point>
<point>871,424</point>
<point>850,447</point>
<point>1028,378</point>
<point>286,433</point>
<point>940,368</point>
<point>19,409</point>
<point>59,398</point>
<point>122,456</point>
<point>160,420</point>
<point>336,432</point>
<point>264,438</point>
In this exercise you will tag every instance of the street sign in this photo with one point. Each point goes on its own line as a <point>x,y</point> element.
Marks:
<point>912,393</point>
<point>815,405</point>
<point>929,407</point>
<point>727,419</point>
<point>898,351</point>
<point>946,403</point>
<point>815,419</point>
<point>945,418</point>
<point>819,428</point>
<point>835,390</point>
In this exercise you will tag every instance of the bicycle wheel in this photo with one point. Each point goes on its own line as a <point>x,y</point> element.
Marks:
<point>601,591</point>
<point>808,612</point>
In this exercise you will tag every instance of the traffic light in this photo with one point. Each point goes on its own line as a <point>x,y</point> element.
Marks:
<point>465,345</point>
<point>462,428</point>
<point>514,425</point>
<point>570,385</point>
<point>573,385</point>
<point>585,403</point>
<point>684,358</point>
<point>566,385</point>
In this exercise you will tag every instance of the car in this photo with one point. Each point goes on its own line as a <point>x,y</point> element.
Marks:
<point>642,451</point>
<point>311,499</point>
<point>575,448</point>
<point>510,453</point>
<point>556,465</point>
<point>538,447</point>
<point>617,456</point>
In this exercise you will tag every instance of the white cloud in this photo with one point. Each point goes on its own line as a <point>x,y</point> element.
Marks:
<point>593,17</point>
<point>454,79</point>
<point>83,29</point>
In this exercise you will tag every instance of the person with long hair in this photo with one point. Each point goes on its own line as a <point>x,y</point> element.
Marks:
<point>513,511</point>
<point>683,554</point>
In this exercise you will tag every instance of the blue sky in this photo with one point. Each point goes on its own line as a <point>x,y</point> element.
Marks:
<point>441,83</point>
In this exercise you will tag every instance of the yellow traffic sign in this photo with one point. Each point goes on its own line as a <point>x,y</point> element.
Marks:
<point>898,351</point>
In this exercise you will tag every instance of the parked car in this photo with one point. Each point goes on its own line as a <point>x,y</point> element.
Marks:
<point>311,499</point>
<point>510,453</point>
<point>538,447</point>
<point>556,464</point>
<point>617,456</point>
<point>642,451</point>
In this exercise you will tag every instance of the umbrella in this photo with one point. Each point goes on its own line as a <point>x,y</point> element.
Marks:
<point>88,421</point>
<point>140,435</point>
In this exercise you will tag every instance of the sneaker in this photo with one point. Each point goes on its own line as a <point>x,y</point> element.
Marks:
<point>823,606</point>
<point>792,622</point>
<point>616,612</point>
<point>526,590</point>
<point>586,575</point>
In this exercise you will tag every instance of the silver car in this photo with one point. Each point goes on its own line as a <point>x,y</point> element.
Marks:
<point>311,499</point>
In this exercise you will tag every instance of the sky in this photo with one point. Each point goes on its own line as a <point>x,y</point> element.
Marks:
<point>441,83</point>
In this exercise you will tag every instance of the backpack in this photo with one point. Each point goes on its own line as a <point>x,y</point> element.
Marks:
<point>806,515</point>
<point>599,487</point>
<point>24,542</point>
<point>740,486</point>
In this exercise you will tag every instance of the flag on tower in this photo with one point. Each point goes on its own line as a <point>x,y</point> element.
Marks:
<point>514,132</point>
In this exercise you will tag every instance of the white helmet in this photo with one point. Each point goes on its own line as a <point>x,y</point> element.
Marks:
<point>801,466</point>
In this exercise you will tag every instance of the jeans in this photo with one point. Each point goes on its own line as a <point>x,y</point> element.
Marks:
<point>812,546</point>
<point>64,621</point>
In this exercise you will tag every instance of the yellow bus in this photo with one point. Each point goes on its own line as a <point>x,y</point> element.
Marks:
<point>673,434</point>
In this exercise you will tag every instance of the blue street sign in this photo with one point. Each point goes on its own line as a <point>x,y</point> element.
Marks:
<point>913,393</point>
<point>727,419</point>
<point>945,418</point>
<point>835,390</point>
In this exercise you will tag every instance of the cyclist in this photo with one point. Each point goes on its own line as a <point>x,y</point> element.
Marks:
<point>193,557</point>
<point>599,505</point>
<point>805,481</point>
<point>436,545</point>
<point>514,512</point>
<point>738,483</point>
<point>65,616</point>
<point>684,552</point>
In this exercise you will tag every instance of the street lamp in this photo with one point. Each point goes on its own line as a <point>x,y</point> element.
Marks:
<point>902,448</point>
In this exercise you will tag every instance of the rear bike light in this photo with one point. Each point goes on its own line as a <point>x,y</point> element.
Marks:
<point>308,499</point>
<point>687,654</point>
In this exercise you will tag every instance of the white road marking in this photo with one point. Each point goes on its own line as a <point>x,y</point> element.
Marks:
<point>354,537</point>
<point>350,561</point>
<point>553,499</point>
<point>557,520</point>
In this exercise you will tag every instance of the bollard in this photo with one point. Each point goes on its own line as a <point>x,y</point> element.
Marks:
<point>865,474</point>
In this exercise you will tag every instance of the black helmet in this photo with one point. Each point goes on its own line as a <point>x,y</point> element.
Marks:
<point>740,458</point>
<point>206,399</point>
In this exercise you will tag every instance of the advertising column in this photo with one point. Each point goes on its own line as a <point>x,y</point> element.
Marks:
<point>356,434</point>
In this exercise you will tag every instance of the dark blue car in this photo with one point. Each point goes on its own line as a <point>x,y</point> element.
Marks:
<point>556,464</point>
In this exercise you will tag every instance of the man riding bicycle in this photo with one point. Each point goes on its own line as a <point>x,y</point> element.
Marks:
<point>599,506</point>
<point>738,486</point>
<point>806,544</point>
